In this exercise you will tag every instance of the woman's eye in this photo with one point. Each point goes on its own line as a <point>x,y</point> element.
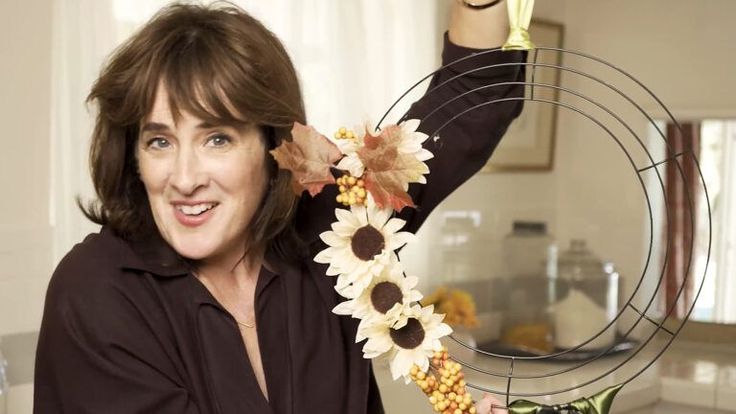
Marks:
<point>218,140</point>
<point>158,143</point>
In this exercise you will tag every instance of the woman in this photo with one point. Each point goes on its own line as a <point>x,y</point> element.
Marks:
<point>199,295</point>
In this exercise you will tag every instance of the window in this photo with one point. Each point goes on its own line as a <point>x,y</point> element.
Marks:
<point>718,166</point>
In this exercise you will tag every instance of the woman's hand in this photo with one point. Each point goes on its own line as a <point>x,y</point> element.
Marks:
<point>479,29</point>
<point>489,405</point>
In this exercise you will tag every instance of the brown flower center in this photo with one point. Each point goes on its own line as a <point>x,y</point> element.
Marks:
<point>385,295</point>
<point>367,242</point>
<point>410,335</point>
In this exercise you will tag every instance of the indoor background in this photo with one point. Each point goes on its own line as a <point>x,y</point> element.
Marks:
<point>355,57</point>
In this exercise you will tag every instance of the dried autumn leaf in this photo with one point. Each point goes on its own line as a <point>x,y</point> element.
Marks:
<point>309,157</point>
<point>388,171</point>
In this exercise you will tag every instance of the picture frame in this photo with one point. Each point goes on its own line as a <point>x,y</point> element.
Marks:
<point>529,142</point>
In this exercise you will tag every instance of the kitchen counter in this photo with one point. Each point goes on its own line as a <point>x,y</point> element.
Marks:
<point>688,378</point>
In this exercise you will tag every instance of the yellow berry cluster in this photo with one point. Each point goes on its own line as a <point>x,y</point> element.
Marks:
<point>344,133</point>
<point>444,384</point>
<point>352,190</point>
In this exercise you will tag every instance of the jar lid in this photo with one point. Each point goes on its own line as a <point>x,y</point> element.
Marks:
<point>578,262</point>
<point>533,227</point>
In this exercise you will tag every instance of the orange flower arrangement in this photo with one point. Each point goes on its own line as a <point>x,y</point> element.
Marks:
<point>457,305</point>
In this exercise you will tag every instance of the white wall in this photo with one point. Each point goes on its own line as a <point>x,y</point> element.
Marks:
<point>25,74</point>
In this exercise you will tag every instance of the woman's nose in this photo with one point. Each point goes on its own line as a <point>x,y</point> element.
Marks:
<point>188,174</point>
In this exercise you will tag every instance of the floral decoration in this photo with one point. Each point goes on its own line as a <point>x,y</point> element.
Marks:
<point>374,170</point>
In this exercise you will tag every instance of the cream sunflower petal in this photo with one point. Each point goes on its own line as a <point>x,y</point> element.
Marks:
<point>342,282</point>
<point>424,155</point>
<point>325,256</point>
<point>393,225</point>
<point>346,263</point>
<point>346,291</point>
<point>344,308</point>
<point>346,216</point>
<point>393,314</point>
<point>410,125</point>
<point>346,146</point>
<point>352,164</point>
<point>375,329</point>
<point>414,296</point>
<point>343,229</point>
<point>442,330</point>
<point>410,146</point>
<point>378,344</point>
<point>377,217</point>
<point>359,212</point>
<point>423,362</point>
<point>401,321</point>
<point>410,281</point>
<point>332,239</point>
<point>401,364</point>
<point>436,345</point>
<point>332,271</point>
<point>362,333</point>
<point>399,239</point>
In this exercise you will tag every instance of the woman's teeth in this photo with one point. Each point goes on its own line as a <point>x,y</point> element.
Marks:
<point>196,209</point>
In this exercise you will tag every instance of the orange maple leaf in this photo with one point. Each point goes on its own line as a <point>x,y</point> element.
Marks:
<point>309,157</point>
<point>388,172</point>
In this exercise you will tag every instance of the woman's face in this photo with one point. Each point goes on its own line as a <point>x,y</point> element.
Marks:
<point>204,182</point>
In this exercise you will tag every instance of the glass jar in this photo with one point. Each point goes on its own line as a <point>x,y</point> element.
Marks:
<point>586,291</point>
<point>528,252</point>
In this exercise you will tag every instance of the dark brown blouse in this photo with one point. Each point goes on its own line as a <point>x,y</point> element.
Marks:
<point>128,329</point>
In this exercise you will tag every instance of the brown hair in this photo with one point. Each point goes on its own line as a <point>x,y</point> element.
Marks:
<point>211,59</point>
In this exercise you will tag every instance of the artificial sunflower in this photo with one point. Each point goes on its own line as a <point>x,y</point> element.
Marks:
<point>386,297</point>
<point>361,243</point>
<point>410,341</point>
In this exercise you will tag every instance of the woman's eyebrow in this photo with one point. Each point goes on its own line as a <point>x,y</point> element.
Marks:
<point>154,127</point>
<point>159,127</point>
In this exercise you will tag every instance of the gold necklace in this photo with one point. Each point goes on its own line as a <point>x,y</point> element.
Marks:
<point>231,314</point>
<point>244,324</point>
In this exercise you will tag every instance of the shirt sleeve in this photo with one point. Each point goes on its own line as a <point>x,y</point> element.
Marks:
<point>463,146</point>
<point>97,354</point>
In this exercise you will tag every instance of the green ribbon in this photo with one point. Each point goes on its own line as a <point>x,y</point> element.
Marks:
<point>520,16</point>
<point>597,404</point>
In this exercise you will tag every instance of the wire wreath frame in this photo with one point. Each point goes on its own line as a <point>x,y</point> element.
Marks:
<point>508,373</point>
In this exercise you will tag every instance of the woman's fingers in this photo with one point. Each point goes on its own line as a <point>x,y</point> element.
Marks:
<point>489,405</point>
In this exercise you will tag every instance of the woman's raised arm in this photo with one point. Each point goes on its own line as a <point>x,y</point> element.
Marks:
<point>462,147</point>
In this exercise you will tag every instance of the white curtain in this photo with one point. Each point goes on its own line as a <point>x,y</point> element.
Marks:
<point>354,57</point>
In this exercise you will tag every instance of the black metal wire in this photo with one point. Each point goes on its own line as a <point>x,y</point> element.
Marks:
<point>642,314</point>
<point>550,356</point>
<point>604,351</point>
<point>628,303</point>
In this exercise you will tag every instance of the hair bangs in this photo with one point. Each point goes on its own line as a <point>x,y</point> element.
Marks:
<point>196,78</point>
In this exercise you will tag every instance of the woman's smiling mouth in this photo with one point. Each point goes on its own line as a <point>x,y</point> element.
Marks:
<point>193,214</point>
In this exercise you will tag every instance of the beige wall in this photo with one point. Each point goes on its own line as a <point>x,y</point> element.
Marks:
<point>684,52</point>
<point>25,75</point>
